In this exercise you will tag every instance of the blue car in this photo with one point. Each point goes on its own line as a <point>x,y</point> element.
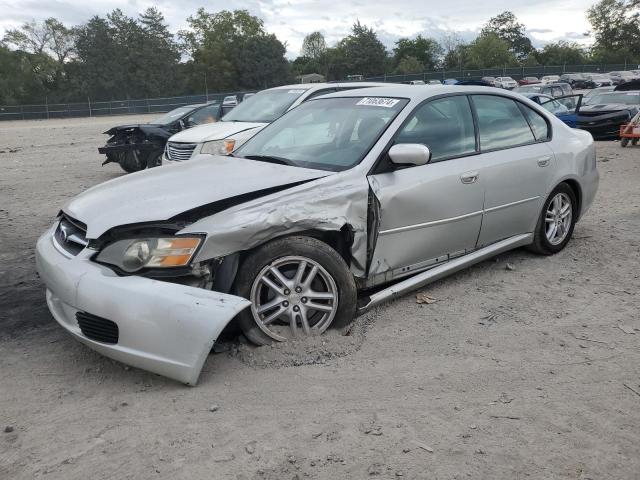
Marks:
<point>565,108</point>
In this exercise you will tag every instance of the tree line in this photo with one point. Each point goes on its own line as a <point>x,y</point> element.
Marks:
<point>117,56</point>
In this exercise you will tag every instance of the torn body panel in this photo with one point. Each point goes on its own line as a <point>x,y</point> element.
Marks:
<point>161,194</point>
<point>326,204</point>
<point>165,328</point>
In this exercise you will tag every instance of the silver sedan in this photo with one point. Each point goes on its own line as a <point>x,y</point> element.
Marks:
<point>346,201</point>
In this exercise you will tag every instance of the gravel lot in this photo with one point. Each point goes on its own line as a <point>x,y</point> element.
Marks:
<point>524,367</point>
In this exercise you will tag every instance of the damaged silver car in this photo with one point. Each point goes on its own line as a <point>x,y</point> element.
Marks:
<point>346,201</point>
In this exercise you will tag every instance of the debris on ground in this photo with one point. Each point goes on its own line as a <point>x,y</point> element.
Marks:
<point>509,267</point>
<point>423,446</point>
<point>637,392</point>
<point>628,329</point>
<point>214,408</point>
<point>8,429</point>
<point>423,298</point>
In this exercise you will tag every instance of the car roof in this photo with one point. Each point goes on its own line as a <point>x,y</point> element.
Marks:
<point>416,93</point>
<point>319,86</point>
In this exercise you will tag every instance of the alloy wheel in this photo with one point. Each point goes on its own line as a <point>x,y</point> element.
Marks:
<point>558,218</point>
<point>293,295</point>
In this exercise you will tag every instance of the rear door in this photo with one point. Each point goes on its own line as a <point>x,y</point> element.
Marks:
<point>517,165</point>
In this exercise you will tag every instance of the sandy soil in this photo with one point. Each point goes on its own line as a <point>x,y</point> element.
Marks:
<point>531,371</point>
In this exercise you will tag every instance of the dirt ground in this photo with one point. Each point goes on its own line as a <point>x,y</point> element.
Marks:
<point>524,367</point>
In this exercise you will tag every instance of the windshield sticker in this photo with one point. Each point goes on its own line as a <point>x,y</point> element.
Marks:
<point>296,91</point>
<point>378,102</point>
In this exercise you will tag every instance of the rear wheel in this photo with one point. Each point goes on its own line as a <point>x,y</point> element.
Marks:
<point>556,221</point>
<point>297,286</point>
<point>624,141</point>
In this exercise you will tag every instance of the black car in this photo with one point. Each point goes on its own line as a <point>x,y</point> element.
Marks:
<point>577,80</point>
<point>605,113</point>
<point>139,146</point>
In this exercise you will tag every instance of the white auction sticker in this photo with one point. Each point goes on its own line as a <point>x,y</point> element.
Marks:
<point>296,91</point>
<point>378,102</point>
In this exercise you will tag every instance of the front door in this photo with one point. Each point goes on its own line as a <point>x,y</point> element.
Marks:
<point>433,212</point>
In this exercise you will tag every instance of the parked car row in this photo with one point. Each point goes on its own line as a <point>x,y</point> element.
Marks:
<point>339,201</point>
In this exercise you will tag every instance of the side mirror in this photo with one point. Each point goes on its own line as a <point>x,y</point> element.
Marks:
<point>409,154</point>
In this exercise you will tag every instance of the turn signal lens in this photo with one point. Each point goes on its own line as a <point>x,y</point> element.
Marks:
<point>173,252</point>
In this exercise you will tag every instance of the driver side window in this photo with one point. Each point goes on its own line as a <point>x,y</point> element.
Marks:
<point>208,114</point>
<point>444,125</point>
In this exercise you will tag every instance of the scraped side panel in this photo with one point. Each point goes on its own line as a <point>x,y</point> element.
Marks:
<point>328,204</point>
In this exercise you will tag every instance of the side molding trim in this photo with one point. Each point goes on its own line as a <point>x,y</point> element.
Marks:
<point>436,273</point>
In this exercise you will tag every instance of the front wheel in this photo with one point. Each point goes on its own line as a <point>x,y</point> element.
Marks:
<point>556,221</point>
<point>297,286</point>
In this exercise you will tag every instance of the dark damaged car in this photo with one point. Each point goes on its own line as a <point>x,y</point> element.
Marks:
<point>138,146</point>
<point>606,112</point>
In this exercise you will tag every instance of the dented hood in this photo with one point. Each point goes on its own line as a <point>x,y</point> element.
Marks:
<point>162,193</point>
<point>213,131</point>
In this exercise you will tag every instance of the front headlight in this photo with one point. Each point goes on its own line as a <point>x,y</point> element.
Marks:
<point>137,253</point>
<point>219,147</point>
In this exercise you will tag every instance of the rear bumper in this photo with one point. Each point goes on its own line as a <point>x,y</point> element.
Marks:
<point>165,328</point>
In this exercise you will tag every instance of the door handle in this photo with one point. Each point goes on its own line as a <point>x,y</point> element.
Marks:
<point>544,161</point>
<point>469,177</point>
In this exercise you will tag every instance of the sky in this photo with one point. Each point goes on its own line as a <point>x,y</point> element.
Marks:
<point>545,20</point>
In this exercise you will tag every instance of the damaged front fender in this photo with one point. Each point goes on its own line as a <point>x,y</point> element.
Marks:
<point>328,204</point>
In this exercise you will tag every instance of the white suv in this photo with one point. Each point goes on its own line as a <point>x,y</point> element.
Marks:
<point>505,82</point>
<point>247,119</point>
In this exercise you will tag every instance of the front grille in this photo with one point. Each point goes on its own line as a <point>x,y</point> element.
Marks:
<point>71,235</point>
<point>180,151</point>
<point>97,328</point>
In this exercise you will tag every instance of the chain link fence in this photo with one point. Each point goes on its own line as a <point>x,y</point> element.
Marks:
<point>161,105</point>
<point>106,108</point>
<point>515,72</point>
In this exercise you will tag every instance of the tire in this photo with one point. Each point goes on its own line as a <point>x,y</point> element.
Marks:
<point>542,244</point>
<point>131,161</point>
<point>624,141</point>
<point>154,158</point>
<point>286,255</point>
<point>635,141</point>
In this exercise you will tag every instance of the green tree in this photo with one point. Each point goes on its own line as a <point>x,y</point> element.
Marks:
<point>489,51</point>
<point>409,64</point>
<point>362,51</point>
<point>616,27</point>
<point>426,51</point>
<point>219,44</point>
<point>561,53</point>
<point>506,27</point>
<point>314,46</point>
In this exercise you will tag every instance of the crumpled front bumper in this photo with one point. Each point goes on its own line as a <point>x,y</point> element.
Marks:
<point>165,328</point>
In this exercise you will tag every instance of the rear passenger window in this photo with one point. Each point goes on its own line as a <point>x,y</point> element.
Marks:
<point>537,122</point>
<point>444,125</point>
<point>501,124</point>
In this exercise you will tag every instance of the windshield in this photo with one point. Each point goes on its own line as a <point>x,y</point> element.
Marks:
<point>326,134</point>
<point>627,98</point>
<point>173,115</point>
<point>265,106</point>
